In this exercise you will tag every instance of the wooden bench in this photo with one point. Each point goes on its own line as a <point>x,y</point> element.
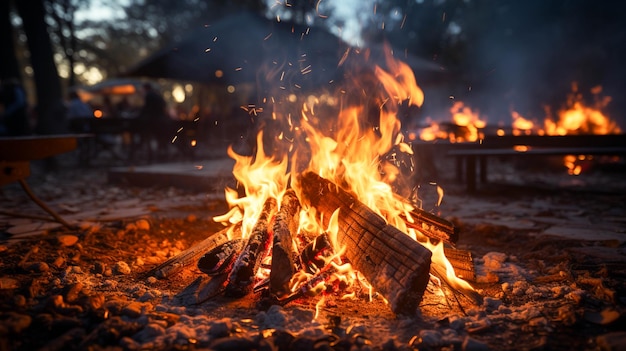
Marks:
<point>469,156</point>
<point>16,153</point>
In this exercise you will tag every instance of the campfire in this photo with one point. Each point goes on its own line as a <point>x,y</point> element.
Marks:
<point>575,117</point>
<point>325,205</point>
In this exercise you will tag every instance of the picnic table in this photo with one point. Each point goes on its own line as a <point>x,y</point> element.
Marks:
<point>471,156</point>
<point>16,153</point>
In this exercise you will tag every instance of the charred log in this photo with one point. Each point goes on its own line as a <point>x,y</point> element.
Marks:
<point>284,256</point>
<point>241,279</point>
<point>191,255</point>
<point>313,285</point>
<point>220,259</point>
<point>314,254</point>
<point>396,265</point>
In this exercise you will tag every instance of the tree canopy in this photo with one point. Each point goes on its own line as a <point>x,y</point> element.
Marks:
<point>496,53</point>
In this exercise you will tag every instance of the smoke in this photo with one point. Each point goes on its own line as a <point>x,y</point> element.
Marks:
<point>533,51</point>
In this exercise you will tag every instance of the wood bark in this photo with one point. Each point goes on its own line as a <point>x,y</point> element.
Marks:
<point>397,266</point>
<point>284,256</point>
<point>462,262</point>
<point>241,278</point>
<point>220,259</point>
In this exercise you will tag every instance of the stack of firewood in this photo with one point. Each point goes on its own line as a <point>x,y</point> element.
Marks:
<point>396,266</point>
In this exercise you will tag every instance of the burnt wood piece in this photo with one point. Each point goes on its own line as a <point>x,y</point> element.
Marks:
<point>313,255</point>
<point>241,278</point>
<point>284,256</point>
<point>431,225</point>
<point>462,262</point>
<point>310,287</point>
<point>397,266</point>
<point>219,259</point>
<point>191,255</point>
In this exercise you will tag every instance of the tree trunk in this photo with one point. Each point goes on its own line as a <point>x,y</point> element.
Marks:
<point>397,266</point>
<point>50,108</point>
<point>10,67</point>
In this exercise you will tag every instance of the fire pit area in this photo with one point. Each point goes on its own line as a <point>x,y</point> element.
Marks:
<point>549,266</point>
<point>318,232</point>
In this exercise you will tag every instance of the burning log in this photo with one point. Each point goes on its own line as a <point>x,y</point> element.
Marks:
<point>220,259</point>
<point>432,226</point>
<point>284,257</point>
<point>312,286</point>
<point>190,256</point>
<point>312,256</point>
<point>397,266</point>
<point>248,262</point>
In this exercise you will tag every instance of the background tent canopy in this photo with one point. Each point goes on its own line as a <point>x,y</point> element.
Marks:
<point>244,47</point>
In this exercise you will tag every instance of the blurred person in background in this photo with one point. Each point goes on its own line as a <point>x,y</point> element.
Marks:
<point>153,122</point>
<point>14,112</point>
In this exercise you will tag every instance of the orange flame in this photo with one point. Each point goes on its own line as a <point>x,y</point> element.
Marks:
<point>345,148</point>
<point>468,122</point>
<point>578,118</point>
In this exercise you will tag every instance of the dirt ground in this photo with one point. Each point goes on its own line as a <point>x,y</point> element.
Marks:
<point>549,256</point>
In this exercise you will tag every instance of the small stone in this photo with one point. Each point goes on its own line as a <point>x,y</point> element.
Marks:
<point>430,338</point>
<point>112,284</point>
<point>471,344</point>
<point>96,301</point>
<point>149,332</point>
<point>183,333</point>
<point>491,303</point>
<point>107,272</point>
<point>73,291</point>
<point>151,280</point>
<point>133,309</point>
<point>221,328</point>
<point>67,240</point>
<point>149,295</point>
<point>142,224</point>
<point>58,262</point>
<point>76,270</point>
<point>121,267</point>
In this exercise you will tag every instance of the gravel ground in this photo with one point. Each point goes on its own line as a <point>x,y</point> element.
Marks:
<point>550,262</point>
